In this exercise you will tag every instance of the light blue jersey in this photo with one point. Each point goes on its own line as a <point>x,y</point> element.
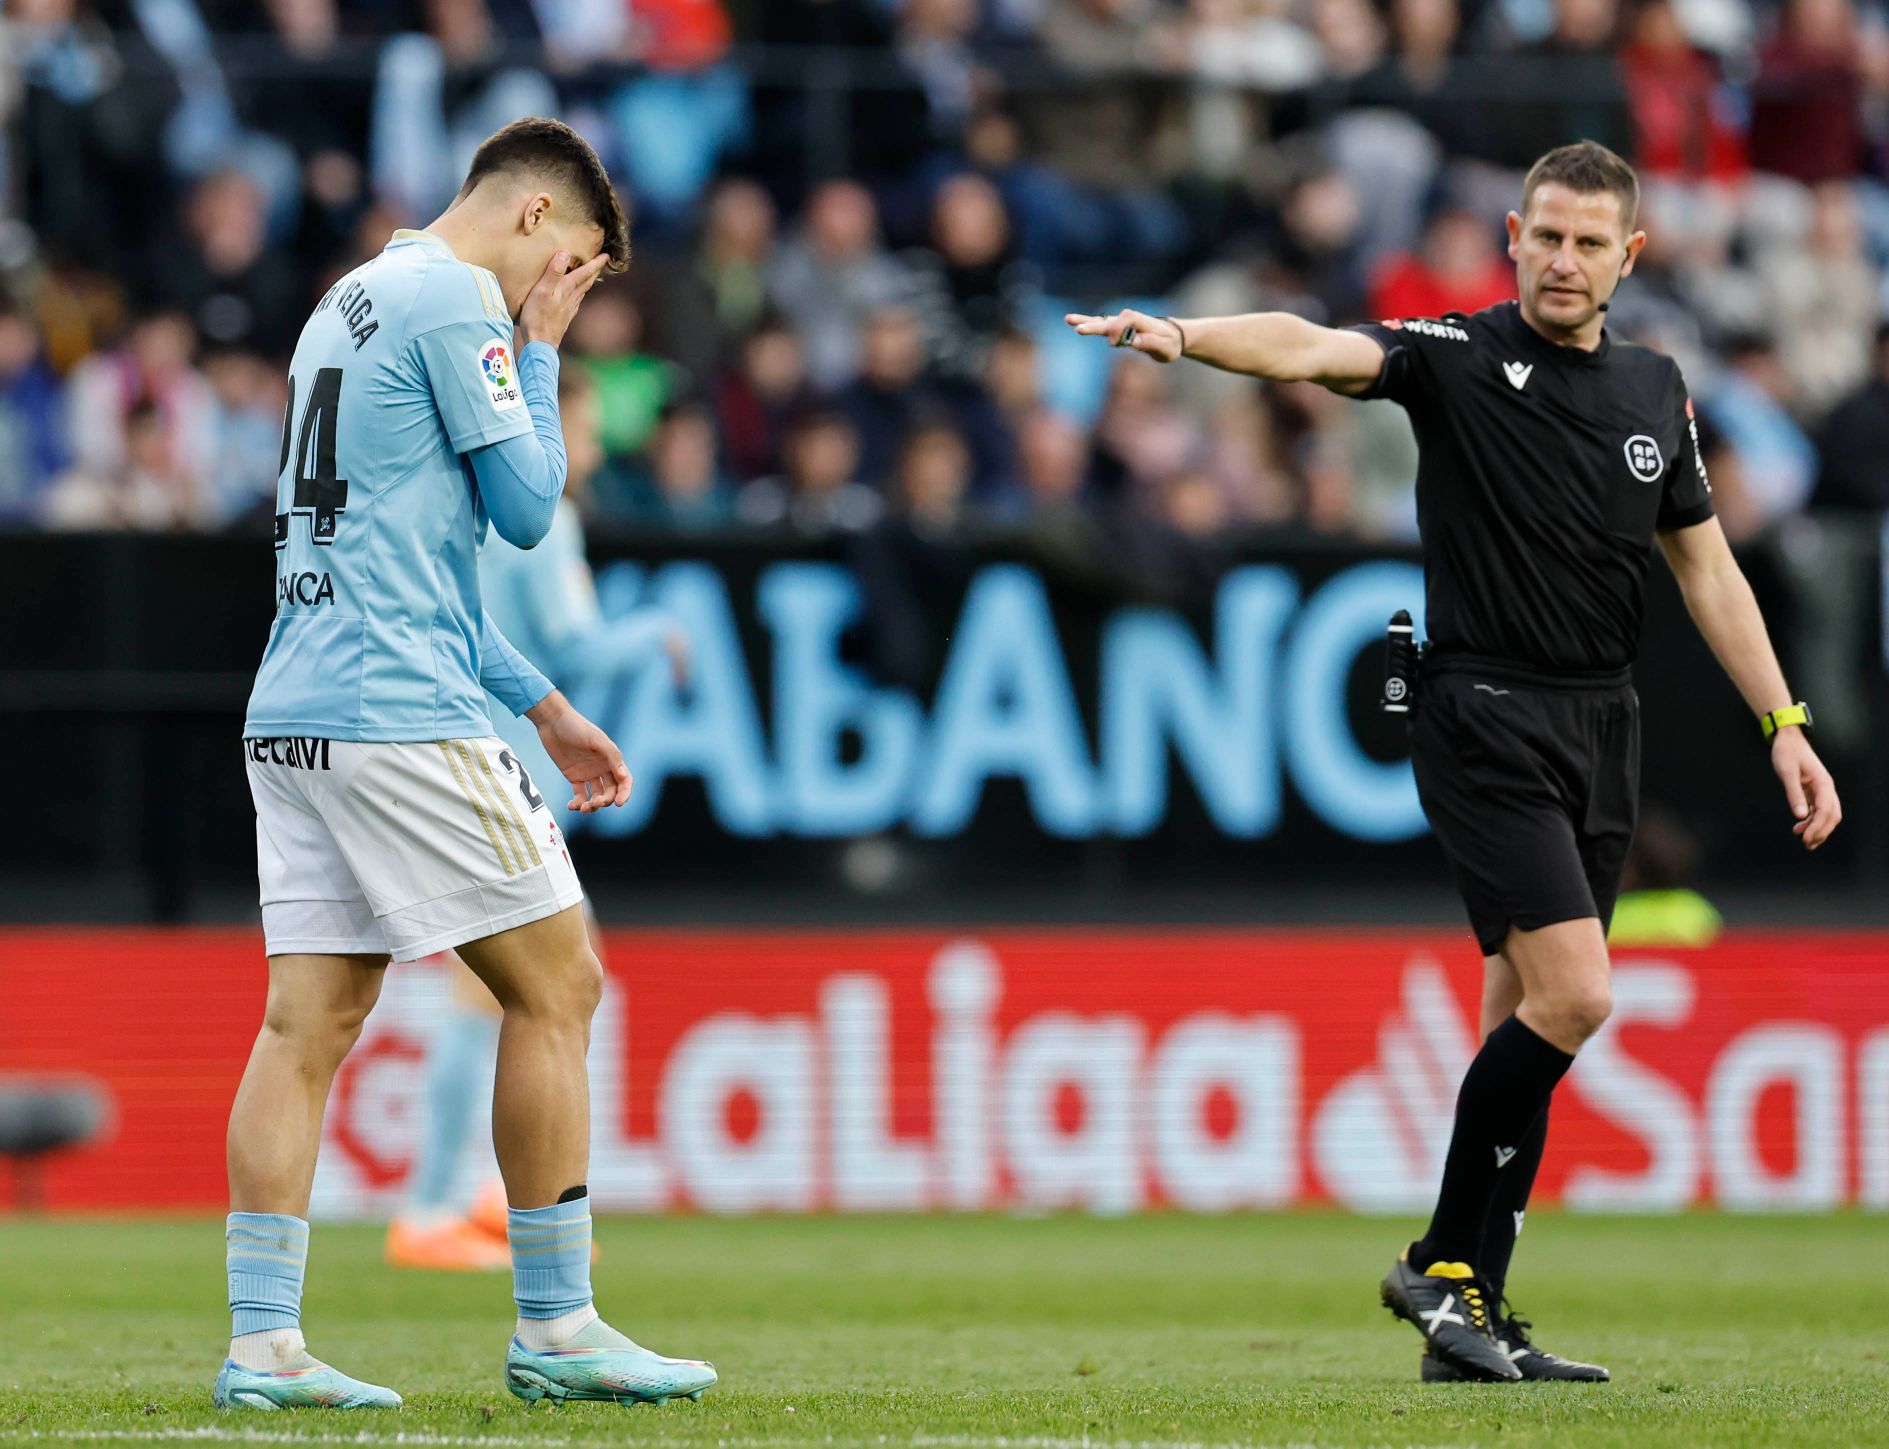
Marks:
<point>404,367</point>
<point>545,601</point>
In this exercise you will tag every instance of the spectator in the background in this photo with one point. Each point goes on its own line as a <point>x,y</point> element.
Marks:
<point>1460,269</point>
<point>153,371</point>
<point>966,285</point>
<point>1052,472</point>
<point>1749,405</point>
<point>1567,84</point>
<point>32,444</point>
<point>1683,123</point>
<point>1853,447</point>
<point>1262,45</point>
<point>888,124</point>
<point>1141,438</point>
<point>932,478</point>
<point>1422,76</point>
<point>757,397</point>
<point>93,110</point>
<point>1052,508</point>
<point>1659,903</point>
<point>1321,247</point>
<point>908,567</point>
<point>1101,127</point>
<point>678,483</point>
<point>990,409</point>
<point>831,275</point>
<point>223,274</point>
<point>440,92</point>
<point>297,77</point>
<point>820,491</point>
<point>933,38</point>
<point>605,341</point>
<point>1821,298</point>
<point>1054,219</point>
<point>701,304</point>
<point>681,110</point>
<point>1806,104</point>
<point>146,491</point>
<point>1351,35</point>
<point>251,393</point>
<point>891,391</point>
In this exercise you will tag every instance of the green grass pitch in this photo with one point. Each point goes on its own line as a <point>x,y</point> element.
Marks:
<point>959,1333</point>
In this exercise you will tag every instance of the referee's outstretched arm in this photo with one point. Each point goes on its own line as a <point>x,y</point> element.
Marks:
<point>1721,604</point>
<point>1275,345</point>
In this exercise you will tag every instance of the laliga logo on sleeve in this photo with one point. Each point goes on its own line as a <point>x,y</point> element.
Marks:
<point>495,366</point>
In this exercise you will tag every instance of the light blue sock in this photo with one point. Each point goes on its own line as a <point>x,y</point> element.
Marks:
<point>551,1258</point>
<point>455,1067</point>
<point>267,1255</point>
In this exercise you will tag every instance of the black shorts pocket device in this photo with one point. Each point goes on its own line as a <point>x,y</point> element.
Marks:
<point>1403,657</point>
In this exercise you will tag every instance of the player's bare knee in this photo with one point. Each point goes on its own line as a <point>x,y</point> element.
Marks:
<point>567,993</point>
<point>1580,1011</point>
<point>585,986</point>
<point>319,1036</point>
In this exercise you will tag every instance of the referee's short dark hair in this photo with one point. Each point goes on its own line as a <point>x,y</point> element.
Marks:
<point>1587,167</point>
<point>540,147</point>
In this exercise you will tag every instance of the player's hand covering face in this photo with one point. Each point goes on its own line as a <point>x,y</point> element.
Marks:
<point>588,758</point>
<point>553,300</point>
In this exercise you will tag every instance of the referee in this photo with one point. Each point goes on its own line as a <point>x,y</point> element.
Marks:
<point>1551,455</point>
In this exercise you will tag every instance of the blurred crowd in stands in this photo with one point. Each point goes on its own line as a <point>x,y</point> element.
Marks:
<point>858,224</point>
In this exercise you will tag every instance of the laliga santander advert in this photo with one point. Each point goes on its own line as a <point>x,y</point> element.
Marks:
<point>1101,1070</point>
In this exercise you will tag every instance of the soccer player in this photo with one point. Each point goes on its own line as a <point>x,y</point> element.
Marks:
<point>1551,456</point>
<point>388,822</point>
<point>544,599</point>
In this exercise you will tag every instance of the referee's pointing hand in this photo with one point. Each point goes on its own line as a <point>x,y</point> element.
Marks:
<point>1808,787</point>
<point>1155,336</point>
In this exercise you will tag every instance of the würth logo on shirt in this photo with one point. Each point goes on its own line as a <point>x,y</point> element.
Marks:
<point>1424,327</point>
<point>500,377</point>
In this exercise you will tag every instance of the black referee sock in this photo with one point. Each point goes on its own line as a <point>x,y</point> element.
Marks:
<point>1504,1223</point>
<point>1505,1089</point>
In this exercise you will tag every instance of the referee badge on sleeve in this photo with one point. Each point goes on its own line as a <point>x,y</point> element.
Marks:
<point>1643,458</point>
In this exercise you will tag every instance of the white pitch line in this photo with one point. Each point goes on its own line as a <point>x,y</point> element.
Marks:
<point>219,1435</point>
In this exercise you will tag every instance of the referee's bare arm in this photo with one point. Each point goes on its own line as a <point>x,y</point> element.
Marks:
<point>1273,345</point>
<point>1720,601</point>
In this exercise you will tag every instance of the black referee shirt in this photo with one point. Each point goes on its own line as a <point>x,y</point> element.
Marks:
<point>1543,473</point>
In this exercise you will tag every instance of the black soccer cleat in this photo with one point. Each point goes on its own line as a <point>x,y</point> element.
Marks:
<point>1449,1306</point>
<point>1537,1365</point>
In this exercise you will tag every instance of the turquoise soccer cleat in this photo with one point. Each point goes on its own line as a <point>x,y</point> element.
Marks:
<point>307,1383</point>
<point>601,1364</point>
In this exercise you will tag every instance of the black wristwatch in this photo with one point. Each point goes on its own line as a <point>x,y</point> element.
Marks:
<point>1792,714</point>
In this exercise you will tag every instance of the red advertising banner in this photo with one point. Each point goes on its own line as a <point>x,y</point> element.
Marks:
<point>1106,1070</point>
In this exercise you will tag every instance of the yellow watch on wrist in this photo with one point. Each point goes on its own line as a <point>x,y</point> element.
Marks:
<point>1792,714</point>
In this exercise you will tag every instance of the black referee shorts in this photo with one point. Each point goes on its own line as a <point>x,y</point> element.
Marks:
<point>1532,791</point>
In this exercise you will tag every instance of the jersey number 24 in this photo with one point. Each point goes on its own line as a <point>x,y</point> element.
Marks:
<point>318,495</point>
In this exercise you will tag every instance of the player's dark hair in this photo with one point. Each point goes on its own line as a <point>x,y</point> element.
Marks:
<point>552,151</point>
<point>1586,167</point>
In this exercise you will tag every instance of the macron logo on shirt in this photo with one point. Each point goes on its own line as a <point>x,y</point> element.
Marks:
<point>1517,374</point>
<point>500,377</point>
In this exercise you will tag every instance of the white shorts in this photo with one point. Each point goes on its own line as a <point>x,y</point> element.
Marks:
<point>400,849</point>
